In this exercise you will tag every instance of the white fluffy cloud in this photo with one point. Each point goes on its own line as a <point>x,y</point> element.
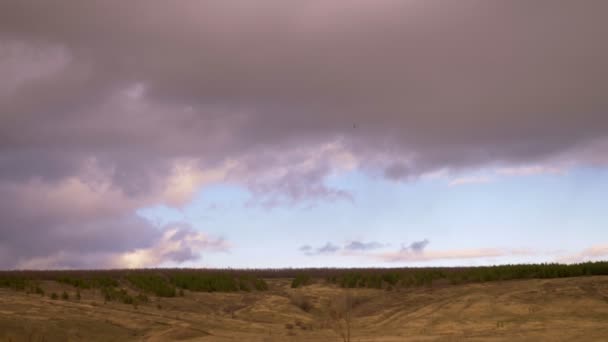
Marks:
<point>175,245</point>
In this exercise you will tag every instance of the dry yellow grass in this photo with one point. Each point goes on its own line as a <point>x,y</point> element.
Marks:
<point>573,309</point>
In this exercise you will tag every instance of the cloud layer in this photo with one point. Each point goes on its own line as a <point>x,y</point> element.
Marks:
<point>107,107</point>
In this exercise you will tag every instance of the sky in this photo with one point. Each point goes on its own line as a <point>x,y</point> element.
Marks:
<point>323,133</point>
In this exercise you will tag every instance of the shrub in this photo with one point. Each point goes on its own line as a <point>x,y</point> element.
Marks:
<point>111,294</point>
<point>65,296</point>
<point>244,285</point>
<point>301,279</point>
<point>76,282</point>
<point>260,284</point>
<point>127,299</point>
<point>15,282</point>
<point>142,298</point>
<point>39,290</point>
<point>54,295</point>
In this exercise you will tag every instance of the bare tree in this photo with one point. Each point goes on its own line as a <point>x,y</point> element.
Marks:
<point>340,311</point>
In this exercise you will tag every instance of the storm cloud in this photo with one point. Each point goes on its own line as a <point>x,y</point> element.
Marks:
<point>111,106</point>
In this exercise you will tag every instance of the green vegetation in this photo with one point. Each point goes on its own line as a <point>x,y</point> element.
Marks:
<point>260,284</point>
<point>217,282</point>
<point>376,278</point>
<point>134,286</point>
<point>301,279</point>
<point>155,284</point>
<point>206,282</point>
<point>111,294</point>
<point>244,284</point>
<point>14,282</point>
<point>173,282</point>
<point>76,282</point>
<point>87,282</point>
<point>37,290</point>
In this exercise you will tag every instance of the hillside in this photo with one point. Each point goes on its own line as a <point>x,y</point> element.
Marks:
<point>564,309</point>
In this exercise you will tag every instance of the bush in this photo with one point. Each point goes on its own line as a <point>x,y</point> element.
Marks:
<point>54,295</point>
<point>14,282</point>
<point>65,296</point>
<point>244,285</point>
<point>111,294</point>
<point>142,298</point>
<point>301,279</point>
<point>39,290</point>
<point>260,284</point>
<point>127,299</point>
<point>76,282</point>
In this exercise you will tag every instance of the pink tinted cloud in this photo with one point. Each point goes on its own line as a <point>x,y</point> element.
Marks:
<point>422,256</point>
<point>593,253</point>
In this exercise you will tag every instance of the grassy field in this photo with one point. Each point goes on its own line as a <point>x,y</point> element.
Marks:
<point>188,305</point>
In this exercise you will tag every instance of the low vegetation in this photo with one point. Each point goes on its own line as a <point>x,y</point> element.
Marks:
<point>154,284</point>
<point>301,279</point>
<point>301,301</point>
<point>389,279</point>
<point>422,304</point>
<point>172,282</point>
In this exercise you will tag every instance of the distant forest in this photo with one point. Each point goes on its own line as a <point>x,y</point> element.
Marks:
<point>131,286</point>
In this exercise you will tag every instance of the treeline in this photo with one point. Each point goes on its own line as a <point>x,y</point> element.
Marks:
<point>112,294</point>
<point>18,283</point>
<point>218,282</point>
<point>159,282</point>
<point>376,278</point>
<point>87,282</point>
<point>172,282</point>
<point>418,277</point>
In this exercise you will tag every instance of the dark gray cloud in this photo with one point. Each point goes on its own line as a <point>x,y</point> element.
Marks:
<point>73,224</point>
<point>363,246</point>
<point>397,88</point>
<point>440,85</point>
<point>110,243</point>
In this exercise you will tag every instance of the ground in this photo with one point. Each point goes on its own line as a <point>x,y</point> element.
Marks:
<point>567,309</point>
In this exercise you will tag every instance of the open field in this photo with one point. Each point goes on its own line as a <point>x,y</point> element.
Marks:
<point>564,309</point>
